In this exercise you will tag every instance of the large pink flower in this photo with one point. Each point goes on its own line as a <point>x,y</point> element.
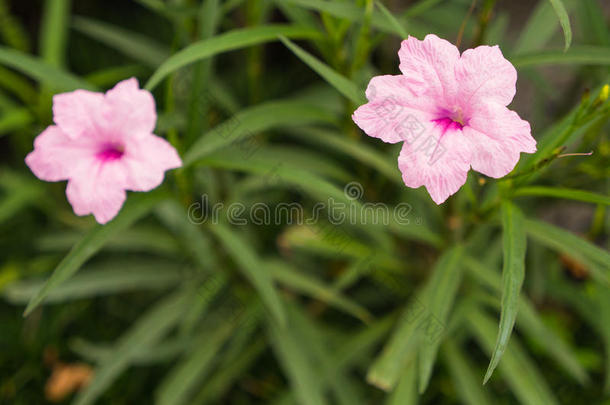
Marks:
<point>450,112</point>
<point>103,145</point>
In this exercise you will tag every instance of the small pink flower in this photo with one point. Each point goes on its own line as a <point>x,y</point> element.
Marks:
<point>103,145</point>
<point>450,113</point>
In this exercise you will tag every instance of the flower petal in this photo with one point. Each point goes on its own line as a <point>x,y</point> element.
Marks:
<point>439,161</point>
<point>498,136</point>
<point>77,112</point>
<point>484,75</point>
<point>393,113</point>
<point>129,110</point>
<point>55,154</point>
<point>429,66</point>
<point>98,189</point>
<point>492,157</point>
<point>498,122</point>
<point>146,159</point>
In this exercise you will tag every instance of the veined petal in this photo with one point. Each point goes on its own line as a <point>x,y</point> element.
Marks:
<point>77,112</point>
<point>431,64</point>
<point>128,110</point>
<point>484,75</point>
<point>98,188</point>
<point>394,113</point>
<point>55,154</point>
<point>500,123</point>
<point>439,161</point>
<point>490,156</point>
<point>146,159</point>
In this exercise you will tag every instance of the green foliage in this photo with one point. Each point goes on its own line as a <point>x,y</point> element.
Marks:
<point>201,292</point>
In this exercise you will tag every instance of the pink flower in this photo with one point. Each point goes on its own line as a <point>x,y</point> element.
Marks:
<point>450,113</point>
<point>103,145</point>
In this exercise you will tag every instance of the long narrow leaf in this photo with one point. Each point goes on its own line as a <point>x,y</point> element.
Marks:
<point>136,207</point>
<point>229,41</point>
<point>513,273</point>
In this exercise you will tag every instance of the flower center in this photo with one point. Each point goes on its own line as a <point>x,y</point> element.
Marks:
<point>111,152</point>
<point>453,119</point>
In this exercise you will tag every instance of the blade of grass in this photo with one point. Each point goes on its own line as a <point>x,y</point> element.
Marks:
<point>439,299</point>
<point>129,43</point>
<point>467,385</point>
<point>581,55</point>
<point>513,273</point>
<point>54,30</point>
<point>253,120</point>
<point>225,42</point>
<point>102,279</point>
<point>292,278</point>
<point>137,206</point>
<point>178,385</point>
<point>392,20</point>
<point>530,323</point>
<point>567,193</point>
<point>146,332</point>
<point>252,268</point>
<point>564,21</point>
<point>339,82</point>
<point>297,365</point>
<point>522,375</point>
<point>420,327</point>
<point>596,259</point>
<point>41,71</point>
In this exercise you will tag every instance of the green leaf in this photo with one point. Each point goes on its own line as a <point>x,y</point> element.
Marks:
<point>567,193</point>
<point>530,322</point>
<point>439,298</point>
<point>228,41</point>
<point>363,153</point>
<point>354,13</point>
<point>129,43</point>
<point>564,20</point>
<point>252,268</point>
<point>596,259</point>
<point>41,71</point>
<point>582,55</point>
<point>339,82</point>
<point>102,279</point>
<point>253,120</point>
<point>466,384</point>
<point>297,364</point>
<point>513,273</point>
<point>137,206</point>
<point>304,283</point>
<point>521,374</point>
<point>54,30</point>
<point>146,332</point>
<point>405,392</point>
<point>392,20</point>
<point>14,120</point>
<point>182,379</point>
<point>539,29</point>
<point>421,326</point>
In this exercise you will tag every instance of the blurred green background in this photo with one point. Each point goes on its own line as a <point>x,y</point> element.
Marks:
<point>160,306</point>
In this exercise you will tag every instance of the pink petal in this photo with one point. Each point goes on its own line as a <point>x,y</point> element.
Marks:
<point>484,75</point>
<point>492,157</point>
<point>146,159</point>
<point>498,136</point>
<point>440,161</point>
<point>55,154</point>
<point>430,63</point>
<point>98,189</point>
<point>77,112</point>
<point>394,113</point>
<point>129,110</point>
